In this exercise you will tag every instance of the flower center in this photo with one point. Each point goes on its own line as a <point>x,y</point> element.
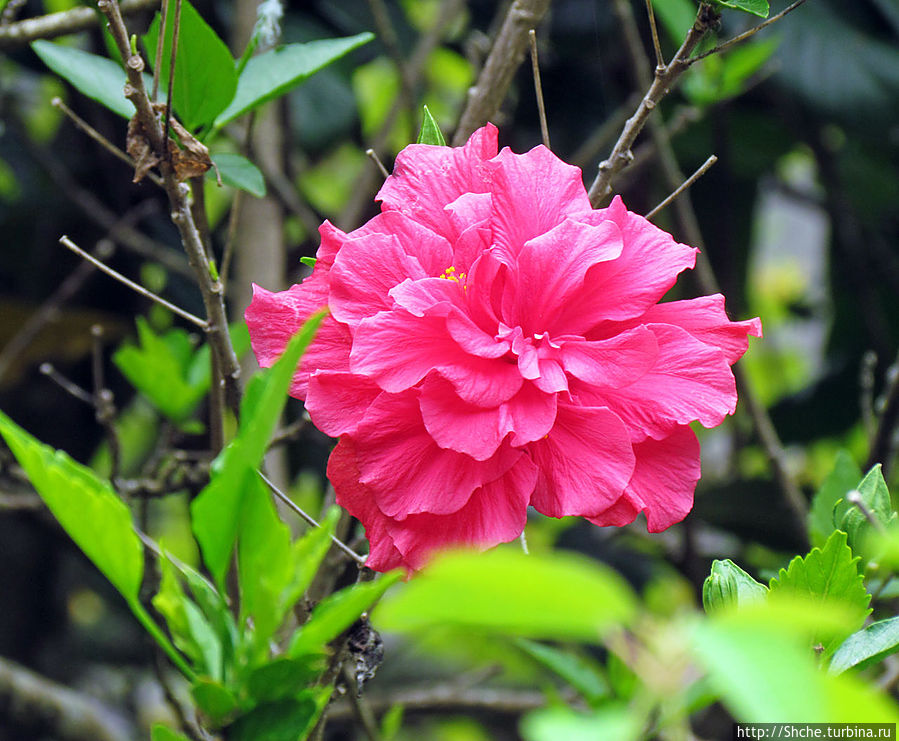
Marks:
<point>450,274</point>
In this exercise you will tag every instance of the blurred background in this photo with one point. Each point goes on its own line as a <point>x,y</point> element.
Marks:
<point>798,220</point>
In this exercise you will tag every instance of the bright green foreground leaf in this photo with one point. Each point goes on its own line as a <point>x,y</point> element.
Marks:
<point>728,585</point>
<point>867,646</point>
<point>828,575</point>
<point>216,512</point>
<point>554,596</point>
<point>205,80</point>
<point>238,172</point>
<point>86,507</point>
<point>273,73</point>
<point>755,7</point>
<point>337,612</point>
<point>764,673</point>
<point>430,132</point>
<point>612,723</point>
<point>840,481</point>
<point>97,77</point>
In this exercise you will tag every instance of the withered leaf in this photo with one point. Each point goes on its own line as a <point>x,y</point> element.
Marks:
<point>138,147</point>
<point>191,159</point>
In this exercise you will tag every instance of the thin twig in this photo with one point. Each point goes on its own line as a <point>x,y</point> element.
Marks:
<point>287,433</point>
<point>660,60</point>
<point>84,126</point>
<point>683,186</point>
<point>506,55</point>
<point>538,87</point>
<point>104,403</point>
<point>882,446</point>
<point>866,400</point>
<point>746,34</point>
<point>50,26</point>
<point>176,31</point>
<point>70,387</point>
<point>664,80</point>
<point>373,155</point>
<point>309,519</point>
<point>136,287</point>
<point>160,47</point>
<point>361,709</point>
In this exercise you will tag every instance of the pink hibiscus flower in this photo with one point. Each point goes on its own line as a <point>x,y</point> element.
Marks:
<point>493,343</point>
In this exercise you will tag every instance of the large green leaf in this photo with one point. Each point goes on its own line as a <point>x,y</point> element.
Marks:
<point>867,646</point>
<point>86,506</point>
<point>615,722</point>
<point>217,510</point>
<point>205,79</point>
<point>283,677</point>
<point>337,612</point>
<point>828,575</point>
<point>764,673</point>
<point>728,585</point>
<point>289,719</point>
<point>238,172</point>
<point>840,481</point>
<point>160,732</point>
<point>97,77</point>
<point>273,73</point>
<point>554,596</point>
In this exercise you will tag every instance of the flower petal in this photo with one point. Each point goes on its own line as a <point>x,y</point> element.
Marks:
<point>397,350</point>
<point>495,513</point>
<point>585,462</point>
<point>358,500</point>
<point>552,266</point>
<point>427,178</point>
<point>612,363</point>
<point>478,431</point>
<point>663,482</point>
<point>337,402</point>
<point>689,381</point>
<point>408,473</point>
<point>706,320</point>
<point>626,287</point>
<point>532,193</point>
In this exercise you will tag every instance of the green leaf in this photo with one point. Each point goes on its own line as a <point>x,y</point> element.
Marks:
<point>283,720</point>
<point>874,497</point>
<point>868,646</point>
<point>217,510</point>
<point>430,132</point>
<point>828,575</point>
<point>764,673</point>
<point>755,7</point>
<point>612,723</point>
<point>676,16</point>
<point>86,506</point>
<point>391,722</point>
<point>273,73</point>
<point>504,591</point>
<point>337,612</point>
<point>580,673</point>
<point>158,369</point>
<point>160,732</point>
<point>205,79</point>
<point>310,261</point>
<point>97,77</point>
<point>727,585</point>
<point>284,677</point>
<point>238,172</point>
<point>842,479</point>
<point>214,700</point>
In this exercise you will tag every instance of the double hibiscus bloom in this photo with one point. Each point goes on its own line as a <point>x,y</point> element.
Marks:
<point>495,343</point>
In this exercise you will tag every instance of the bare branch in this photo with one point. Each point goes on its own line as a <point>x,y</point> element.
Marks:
<point>883,444</point>
<point>703,168</point>
<point>50,26</point>
<point>746,34</point>
<point>31,700</point>
<point>136,287</point>
<point>373,156</point>
<point>660,60</point>
<point>487,95</point>
<point>538,87</point>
